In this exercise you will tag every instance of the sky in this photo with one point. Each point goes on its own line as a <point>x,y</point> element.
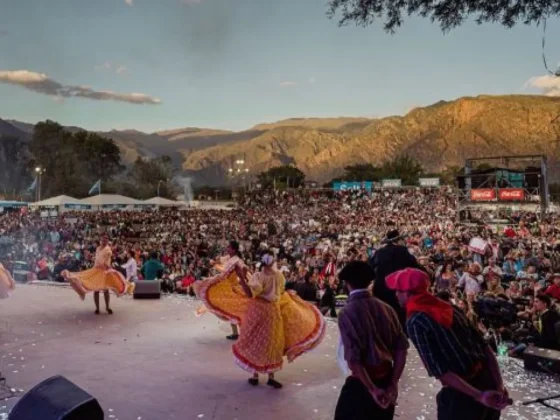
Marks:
<point>230,64</point>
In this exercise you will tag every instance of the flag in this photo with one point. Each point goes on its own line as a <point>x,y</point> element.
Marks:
<point>33,186</point>
<point>96,188</point>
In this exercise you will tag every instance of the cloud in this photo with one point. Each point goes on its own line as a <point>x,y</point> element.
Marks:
<point>287,84</point>
<point>312,80</point>
<point>548,85</point>
<point>129,2</point>
<point>107,65</point>
<point>121,70</point>
<point>41,83</point>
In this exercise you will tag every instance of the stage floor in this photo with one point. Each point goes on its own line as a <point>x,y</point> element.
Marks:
<point>155,360</point>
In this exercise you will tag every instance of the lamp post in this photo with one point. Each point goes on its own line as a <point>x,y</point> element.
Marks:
<point>39,171</point>
<point>239,169</point>
<point>159,184</point>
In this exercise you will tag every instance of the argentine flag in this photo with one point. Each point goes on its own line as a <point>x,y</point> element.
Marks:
<point>33,186</point>
<point>96,188</point>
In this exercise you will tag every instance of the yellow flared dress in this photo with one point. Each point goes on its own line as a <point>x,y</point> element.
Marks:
<point>100,277</point>
<point>224,264</point>
<point>7,283</point>
<point>274,323</point>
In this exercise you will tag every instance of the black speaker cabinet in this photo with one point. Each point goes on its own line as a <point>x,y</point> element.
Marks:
<point>542,360</point>
<point>147,289</point>
<point>57,398</point>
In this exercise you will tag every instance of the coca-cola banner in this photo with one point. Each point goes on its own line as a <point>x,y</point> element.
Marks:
<point>511,194</point>
<point>483,194</point>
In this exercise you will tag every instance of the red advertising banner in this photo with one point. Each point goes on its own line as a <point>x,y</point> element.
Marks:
<point>511,194</point>
<point>483,194</point>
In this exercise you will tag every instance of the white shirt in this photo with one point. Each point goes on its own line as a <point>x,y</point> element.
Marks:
<point>131,269</point>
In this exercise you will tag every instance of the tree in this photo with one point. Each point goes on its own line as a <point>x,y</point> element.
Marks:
<point>72,162</point>
<point>361,172</point>
<point>448,14</point>
<point>100,155</point>
<point>403,167</point>
<point>285,175</point>
<point>449,175</point>
<point>149,175</point>
<point>15,166</point>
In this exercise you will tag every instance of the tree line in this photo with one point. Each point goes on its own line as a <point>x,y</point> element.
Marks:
<point>71,163</point>
<point>405,168</point>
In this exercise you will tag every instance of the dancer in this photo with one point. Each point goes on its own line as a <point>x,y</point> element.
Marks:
<point>452,350</point>
<point>224,264</point>
<point>274,323</point>
<point>99,278</point>
<point>374,347</point>
<point>7,283</point>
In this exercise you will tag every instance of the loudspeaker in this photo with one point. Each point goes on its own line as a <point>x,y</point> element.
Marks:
<point>542,360</point>
<point>147,289</point>
<point>57,398</point>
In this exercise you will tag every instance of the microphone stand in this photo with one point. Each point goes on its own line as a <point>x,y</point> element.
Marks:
<point>543,401</point>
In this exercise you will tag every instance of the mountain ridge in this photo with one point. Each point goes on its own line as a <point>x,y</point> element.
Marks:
<point>438,135</point>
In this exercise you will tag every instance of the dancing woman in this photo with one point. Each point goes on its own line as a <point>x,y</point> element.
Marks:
<point>7,283</point>
<point>224,264</point>
<point>274,323</point>
<point>99,278</point>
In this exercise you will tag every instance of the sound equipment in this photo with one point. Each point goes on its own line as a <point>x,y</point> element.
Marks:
<point>147,289</point>
<point>57,398</point>
<point>542,360</point>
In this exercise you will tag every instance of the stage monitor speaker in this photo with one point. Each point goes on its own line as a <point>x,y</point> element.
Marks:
<point>57,398</point>
<point>147,289</point>
<point>542,360</point>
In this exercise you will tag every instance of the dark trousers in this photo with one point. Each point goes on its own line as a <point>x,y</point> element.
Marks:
<point>356,403</point>
<point>454,405</point>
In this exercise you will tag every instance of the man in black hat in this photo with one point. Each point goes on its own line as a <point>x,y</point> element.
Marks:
<point>394,256</point>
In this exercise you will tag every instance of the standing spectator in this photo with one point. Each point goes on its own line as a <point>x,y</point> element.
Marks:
<point>153,269</point>
<point>393,257</point>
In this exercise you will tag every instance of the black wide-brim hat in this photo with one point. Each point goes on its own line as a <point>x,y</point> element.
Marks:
<point>393,236</point>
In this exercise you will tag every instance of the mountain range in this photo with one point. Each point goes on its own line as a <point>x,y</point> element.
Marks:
<point>440,135</point>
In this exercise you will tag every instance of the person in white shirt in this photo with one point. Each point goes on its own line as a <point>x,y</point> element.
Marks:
<point>131,267</point>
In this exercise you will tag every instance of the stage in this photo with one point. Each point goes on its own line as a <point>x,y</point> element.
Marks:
<point>155,360</point>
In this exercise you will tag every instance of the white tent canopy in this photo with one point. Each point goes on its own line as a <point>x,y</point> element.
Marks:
<point>164,202</point>
<point>110,200</point>
<point>57,201</point>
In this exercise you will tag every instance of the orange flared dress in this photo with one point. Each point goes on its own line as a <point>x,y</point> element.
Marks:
<point>100,277</point>
<point>7,283</point>
<point>274,323</point>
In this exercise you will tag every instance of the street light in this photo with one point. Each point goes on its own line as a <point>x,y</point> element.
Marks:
<point>39,171</point>
<point>238,168</point>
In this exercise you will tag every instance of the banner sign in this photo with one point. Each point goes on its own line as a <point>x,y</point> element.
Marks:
<point>114,206</point>
<point>391,183</point>
<point>483,194</point>
<point>429,182</point>
<point>355,185</point>
<point>77,206</point>
<point>511,194</point>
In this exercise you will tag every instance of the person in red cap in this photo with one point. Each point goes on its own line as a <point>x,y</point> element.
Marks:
<point>452,350</point>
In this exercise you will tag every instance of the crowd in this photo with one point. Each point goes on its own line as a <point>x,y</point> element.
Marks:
<point>503,275</point>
